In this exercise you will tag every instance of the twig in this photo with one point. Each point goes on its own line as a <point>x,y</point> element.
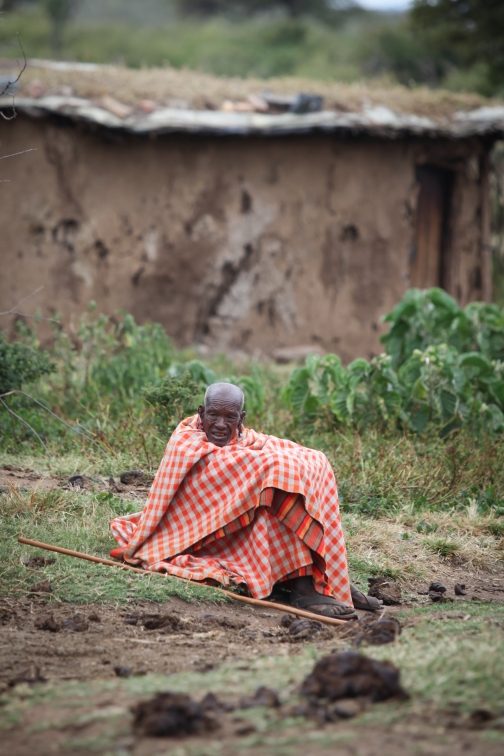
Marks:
<point>76,430</point>
<point>24,421</point>
<point>14,307</point>
<point>15,81</point>
<point>14,311</point>
<point>15,154</point>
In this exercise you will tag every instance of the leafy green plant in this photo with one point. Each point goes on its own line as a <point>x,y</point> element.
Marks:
<point>122,357</point>
<point>21,364</point>
<point>117,505</point>
<point>443,368</point>
<point>175,399</point>
<point>425,318</point>
<point>252,385</point>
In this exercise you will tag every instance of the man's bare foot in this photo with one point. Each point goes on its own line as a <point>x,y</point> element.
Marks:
<point>304,596</point>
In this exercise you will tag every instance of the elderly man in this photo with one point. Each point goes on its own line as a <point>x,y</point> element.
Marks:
<point>235,506</point>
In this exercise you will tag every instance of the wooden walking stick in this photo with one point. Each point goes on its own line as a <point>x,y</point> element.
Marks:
<point>230,594</point>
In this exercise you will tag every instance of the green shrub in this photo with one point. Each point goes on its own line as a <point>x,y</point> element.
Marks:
<point>425,318</point>
<point>117,358</point>
<point>175,399</point>
<point>21,364</point>
<point>443,368</point>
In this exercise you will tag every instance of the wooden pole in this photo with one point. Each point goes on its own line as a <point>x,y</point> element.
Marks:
<point>230,594</point>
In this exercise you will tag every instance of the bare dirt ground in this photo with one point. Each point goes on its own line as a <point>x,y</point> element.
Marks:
<point>45,647</point>
<point>24,479</point>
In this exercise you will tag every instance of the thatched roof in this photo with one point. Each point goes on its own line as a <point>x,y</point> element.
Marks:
<point>165,99</point>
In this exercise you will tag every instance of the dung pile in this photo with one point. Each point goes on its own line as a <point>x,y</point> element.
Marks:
<point>172,715</point>
<point>341,685</point>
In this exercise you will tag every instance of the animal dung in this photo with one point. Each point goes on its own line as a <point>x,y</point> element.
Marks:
<point>78,623</point>
<point>353,675</point>
<point>36,562</point>
<point>262,697</point>
<point>48,623</point>
<point>122,671</point>
<point>172,715</point>
<point>379,633</point>
<point>437,588</point>
<point>131,477</point>
<point>77,481</point>
<point>386,590</point>
<point>44,586</point>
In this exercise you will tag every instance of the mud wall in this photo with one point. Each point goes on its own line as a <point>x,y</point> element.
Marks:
<point>238,243</point>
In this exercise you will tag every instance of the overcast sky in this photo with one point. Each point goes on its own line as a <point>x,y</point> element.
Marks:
<point>385,4</point>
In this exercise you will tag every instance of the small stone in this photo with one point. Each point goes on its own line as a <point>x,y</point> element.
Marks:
<point>439,598</point>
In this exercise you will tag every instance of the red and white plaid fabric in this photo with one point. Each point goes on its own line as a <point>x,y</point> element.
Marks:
<point>201,489</point>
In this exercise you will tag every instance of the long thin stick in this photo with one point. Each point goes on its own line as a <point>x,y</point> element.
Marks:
<point>230,594</point>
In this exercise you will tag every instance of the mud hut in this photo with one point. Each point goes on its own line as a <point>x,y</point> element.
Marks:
<point>242,219</point>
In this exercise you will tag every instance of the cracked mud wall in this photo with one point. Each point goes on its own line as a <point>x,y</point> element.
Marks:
<point>239,243</point>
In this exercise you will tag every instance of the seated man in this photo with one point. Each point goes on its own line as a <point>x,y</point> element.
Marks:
<point>235,506</point>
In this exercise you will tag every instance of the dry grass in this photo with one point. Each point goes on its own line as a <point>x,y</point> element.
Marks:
<point>411,547</point>
<point>204,91</point>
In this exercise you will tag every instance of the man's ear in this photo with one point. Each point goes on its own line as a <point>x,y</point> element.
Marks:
<point>201,410</point>
<point>242,417</point>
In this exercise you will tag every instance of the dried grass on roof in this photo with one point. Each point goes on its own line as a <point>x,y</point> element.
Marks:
<point>171,87</point>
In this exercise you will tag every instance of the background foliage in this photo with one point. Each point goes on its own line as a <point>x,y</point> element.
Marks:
<point>449,43</point>
<point>443,367</point>
<point>419,426</point>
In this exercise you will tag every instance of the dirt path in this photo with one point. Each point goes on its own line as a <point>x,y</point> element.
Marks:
<point>70,674</point>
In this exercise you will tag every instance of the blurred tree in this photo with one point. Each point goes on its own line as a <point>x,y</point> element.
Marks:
<point>464,32</point>
<point>59,12</point>
<point>326,10</point>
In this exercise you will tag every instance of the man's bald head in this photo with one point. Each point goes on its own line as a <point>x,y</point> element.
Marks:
<point>222,414</point>
<point>226,391</point>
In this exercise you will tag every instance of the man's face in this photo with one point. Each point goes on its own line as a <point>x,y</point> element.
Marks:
<point>220,418</point>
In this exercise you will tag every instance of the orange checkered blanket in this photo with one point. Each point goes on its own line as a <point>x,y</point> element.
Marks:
<point>257,511</point>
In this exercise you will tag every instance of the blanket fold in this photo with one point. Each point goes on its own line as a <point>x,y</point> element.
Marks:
<point>256,511</point>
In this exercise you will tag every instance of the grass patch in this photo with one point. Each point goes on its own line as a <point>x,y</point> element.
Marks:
<point>442,547</point>
<point>78,521</point>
